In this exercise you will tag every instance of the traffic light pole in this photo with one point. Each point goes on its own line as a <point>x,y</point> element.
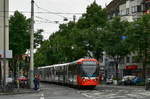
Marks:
<point>31,71</point>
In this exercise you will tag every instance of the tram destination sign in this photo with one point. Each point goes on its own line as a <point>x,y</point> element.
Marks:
<point>89,62</point>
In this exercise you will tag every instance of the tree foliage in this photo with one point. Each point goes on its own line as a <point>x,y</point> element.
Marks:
<point>91,35</point>
<point>139,39</point>
<point>19,30</point>
<point>38,38</point>
<point>75,40</point>
<point>113,38</point>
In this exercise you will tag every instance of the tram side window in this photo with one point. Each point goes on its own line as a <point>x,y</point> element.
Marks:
<point>62,70</point>
<point>48,72</point>
<point>65,70</point>
<point>72,69</point>
<point>57,70</point>
<point>44,71</point>
<point>40,72</point>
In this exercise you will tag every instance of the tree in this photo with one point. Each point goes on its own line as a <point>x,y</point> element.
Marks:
<point>40,57</point>
<point>139,39</point>
<point>38,38</point>
<point>19,30</point>
<point>93,21</point>
<point>19,27</point>
<point>112,37</point>
<point>95,17</point>
<point>76,40</point>
<point>113,43</point>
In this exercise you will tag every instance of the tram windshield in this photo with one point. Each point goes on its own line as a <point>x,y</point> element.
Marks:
<point>89,68</point>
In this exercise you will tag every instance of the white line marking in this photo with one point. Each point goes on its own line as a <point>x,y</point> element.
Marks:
<point>42,96</point>
<point>86,95</point>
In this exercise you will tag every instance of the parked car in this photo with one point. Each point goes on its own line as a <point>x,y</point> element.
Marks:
<point>137,80</point>
<point>147,84</point>
<point>127,80</point>
<point>109,81</point>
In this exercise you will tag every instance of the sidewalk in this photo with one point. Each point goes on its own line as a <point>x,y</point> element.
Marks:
<point>19,91</point>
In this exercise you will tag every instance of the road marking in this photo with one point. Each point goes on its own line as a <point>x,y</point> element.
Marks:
<point>112,94</point>
<point>42,96</point>
<point>86,95</point>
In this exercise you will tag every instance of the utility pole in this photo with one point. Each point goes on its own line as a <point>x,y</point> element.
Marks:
<point>4,52</point>
<point>31,71</point>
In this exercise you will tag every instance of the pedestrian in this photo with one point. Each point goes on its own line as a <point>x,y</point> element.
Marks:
<point>36,82</point>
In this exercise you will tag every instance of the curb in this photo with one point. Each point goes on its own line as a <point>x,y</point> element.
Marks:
<point>20,92</point>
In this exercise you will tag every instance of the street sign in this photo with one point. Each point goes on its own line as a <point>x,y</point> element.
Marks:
<point>8,54</point>
<point>123,37</point>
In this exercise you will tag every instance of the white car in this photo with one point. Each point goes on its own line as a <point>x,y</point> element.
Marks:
<point>126,80</point>
<point>109,81</point>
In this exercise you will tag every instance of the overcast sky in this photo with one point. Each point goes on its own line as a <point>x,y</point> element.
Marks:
<point>46,21</point>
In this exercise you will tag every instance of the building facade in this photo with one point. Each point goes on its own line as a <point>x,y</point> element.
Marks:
<point>129,10</point>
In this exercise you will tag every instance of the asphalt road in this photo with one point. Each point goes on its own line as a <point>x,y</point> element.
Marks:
<point>52,91</point>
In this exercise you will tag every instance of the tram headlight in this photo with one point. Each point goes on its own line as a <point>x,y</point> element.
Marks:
<point>84,79</point>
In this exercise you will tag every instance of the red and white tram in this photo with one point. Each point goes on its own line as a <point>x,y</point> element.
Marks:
<point>83,72</point>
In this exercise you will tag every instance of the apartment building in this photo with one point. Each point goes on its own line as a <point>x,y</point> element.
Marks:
<point>129,10</point>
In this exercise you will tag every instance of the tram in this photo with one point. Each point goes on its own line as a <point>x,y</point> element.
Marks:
<point>83,72</point>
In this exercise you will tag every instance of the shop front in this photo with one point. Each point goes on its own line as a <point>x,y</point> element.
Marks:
<point>133,70</point>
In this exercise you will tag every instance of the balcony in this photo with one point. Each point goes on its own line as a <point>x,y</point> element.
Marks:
<point>147,6</point>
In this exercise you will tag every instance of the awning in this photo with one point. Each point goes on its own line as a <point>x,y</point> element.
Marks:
<point>131,67</point>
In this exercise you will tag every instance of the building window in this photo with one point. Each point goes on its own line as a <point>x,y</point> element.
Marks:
<point>121,12</point>
<point>139,8</point>
<point>134,9</point>
<point>127,11</point>
<point>122,61</point>
<point>128,59</point>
